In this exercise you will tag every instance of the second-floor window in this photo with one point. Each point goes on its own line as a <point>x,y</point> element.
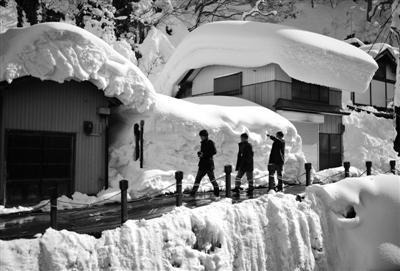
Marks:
<point>309,92</point>
<point>229,85</point>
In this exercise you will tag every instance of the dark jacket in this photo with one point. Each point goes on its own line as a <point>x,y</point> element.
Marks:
<point>245,157</point>
<point>208,151</point>
<point>277,155</point>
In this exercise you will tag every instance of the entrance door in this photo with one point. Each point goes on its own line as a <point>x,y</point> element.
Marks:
<point>36,162</point>
<point>330,150</point>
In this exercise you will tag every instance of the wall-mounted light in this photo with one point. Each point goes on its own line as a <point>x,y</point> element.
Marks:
<point>88,127</point>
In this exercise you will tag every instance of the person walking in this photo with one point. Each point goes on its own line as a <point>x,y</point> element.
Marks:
<point>206,163</point>
<point>276,160</point>
<point>244,164</point>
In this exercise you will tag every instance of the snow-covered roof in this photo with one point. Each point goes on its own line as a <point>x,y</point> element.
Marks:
<point>60,52</point>
<point>378,48</point>
<point>303,55</point>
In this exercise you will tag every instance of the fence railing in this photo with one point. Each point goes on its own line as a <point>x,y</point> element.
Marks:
<point>179,191</point>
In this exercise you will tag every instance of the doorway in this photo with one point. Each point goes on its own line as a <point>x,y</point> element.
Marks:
<point>36,162</point>
<point>330,150</point>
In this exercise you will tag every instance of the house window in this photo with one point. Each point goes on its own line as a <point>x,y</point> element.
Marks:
<point>309,92</point>
<point>229,85</point>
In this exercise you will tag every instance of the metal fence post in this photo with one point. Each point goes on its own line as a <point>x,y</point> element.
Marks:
<point>123,185</point>
<point>141,142</point>
<point>393,166</point>
<point>136,132</point>
<point>179,178</point>
<point>53,207</point>
<point>368,164</point>
<point>307,167</point>
<point>228,171</point>
<point>346,166</point>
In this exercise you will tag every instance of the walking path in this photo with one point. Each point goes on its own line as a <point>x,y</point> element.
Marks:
<point>94,220</point>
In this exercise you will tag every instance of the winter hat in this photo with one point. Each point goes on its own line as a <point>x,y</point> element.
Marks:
<point>203,133</point>
<point>244,135</point>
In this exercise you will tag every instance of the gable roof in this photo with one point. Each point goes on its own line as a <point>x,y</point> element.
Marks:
<point>303,55</point>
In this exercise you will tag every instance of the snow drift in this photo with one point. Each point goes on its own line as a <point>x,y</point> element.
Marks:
<point>369,138</point>
<point>59,52</point>
<point>171,142</point>
<point>360,221</point>
<point>350,225</point>
<point>303,55</point>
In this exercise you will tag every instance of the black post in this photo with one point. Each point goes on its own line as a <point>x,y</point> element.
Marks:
<point>393,166</point>
<point>123,185</point>
<point>271,178</point>
<point>179,178</point>
<point>368,164</point>
<point>228,171</point>
<point>307,167</point>
<point>346,166</point>
<point>141,142</point>
<point>136,132</point>
<point>53,207</point>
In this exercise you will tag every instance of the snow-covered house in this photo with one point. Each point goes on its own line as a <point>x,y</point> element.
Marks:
<point>57,85</point>
<point>380,93</point>
<point>297,73</point>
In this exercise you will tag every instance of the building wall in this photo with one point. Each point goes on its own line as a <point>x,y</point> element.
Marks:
<point>309,133</point>
<point>31,104</point>
<point>331,125</point>
<point>204,81</point>
<point>267,93</point>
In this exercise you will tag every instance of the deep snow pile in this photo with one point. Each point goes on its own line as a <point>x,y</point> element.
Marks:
<point>171,142</point>
<point>274,232</point>
<point>369,138</point>
<point>349,225</point>
<point>360,221</point>
<point>59,52</point>
<point>332,175</point>
<point>303,55</point>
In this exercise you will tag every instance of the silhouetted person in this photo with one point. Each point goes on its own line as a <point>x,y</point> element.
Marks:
<point>276,160</point>
<point>206,163</point>
<point>245,163</point>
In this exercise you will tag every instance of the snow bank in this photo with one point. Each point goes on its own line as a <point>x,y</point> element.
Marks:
<point>303,55</point>
<point>360,221</point>
<point>349,225</point>
<point>11,210</point>
<point>369,138</point>
<point>171,142</point>
<point>332,175</point>
<point>274,232</point>
<point>59,52</point>
<point>377,48</point>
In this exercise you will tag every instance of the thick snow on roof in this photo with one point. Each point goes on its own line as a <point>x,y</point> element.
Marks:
<point>303,55</point>
<point>375,49</point>
<point>59,52</point>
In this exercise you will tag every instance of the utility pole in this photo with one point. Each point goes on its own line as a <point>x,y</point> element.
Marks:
<point>395,27</point>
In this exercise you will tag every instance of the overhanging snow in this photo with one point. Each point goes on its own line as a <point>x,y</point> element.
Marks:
<point>303,55</point>
<point>60,52</point>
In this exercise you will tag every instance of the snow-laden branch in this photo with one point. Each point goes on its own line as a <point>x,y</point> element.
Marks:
<point>259,9</point>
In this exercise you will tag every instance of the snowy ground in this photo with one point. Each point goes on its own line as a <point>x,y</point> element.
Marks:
<point>349,225</point>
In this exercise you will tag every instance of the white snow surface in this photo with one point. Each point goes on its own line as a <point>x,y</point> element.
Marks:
<point>369,138</point>
<point>172,141</point>
<point>360,221</point>
<point>273,232</point>
<point>332,175</point>
<point>303,55</point>
<point>60,51</point>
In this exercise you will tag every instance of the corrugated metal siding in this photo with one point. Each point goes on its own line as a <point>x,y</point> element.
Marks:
<point>331,124</point>
<point>30,104</point>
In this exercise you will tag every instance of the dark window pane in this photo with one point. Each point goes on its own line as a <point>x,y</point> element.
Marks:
<point>324,143</point>
<point>314,93</point>
<point>23,156</point>
<point>324,94</point>
<point>228,85</point>
<point>57,142</point>
<point>24,141</point>
<point>18,172</point>
<point>335,143</point>
<point>57,156</point>
<point>56,171</point>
